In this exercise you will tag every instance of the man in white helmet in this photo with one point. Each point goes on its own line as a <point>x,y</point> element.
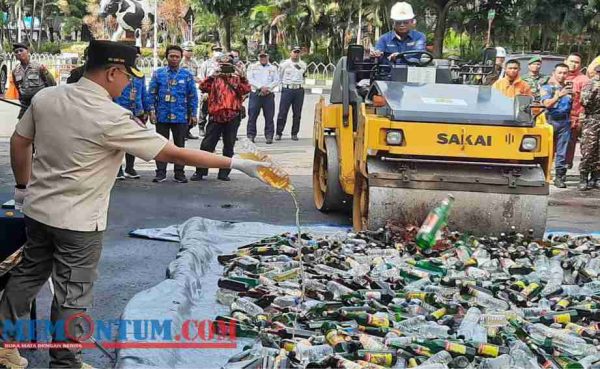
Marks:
<point>402,38</point>
<point>490,79</point>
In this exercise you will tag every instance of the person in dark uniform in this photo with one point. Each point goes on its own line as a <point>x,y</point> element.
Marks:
<point>29,76</point>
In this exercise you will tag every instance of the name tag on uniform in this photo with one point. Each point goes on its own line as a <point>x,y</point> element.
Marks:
<point>168,98</point>
<point>410,44</point>
<point>182,81</point>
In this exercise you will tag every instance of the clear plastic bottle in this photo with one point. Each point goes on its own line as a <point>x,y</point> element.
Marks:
<point>442,357</point>
<point>338,289</point>
<point>500,362</point>
<point>433,330</point>
<point>286,301</point>
<point>226,297</point>
<point>275,176</point>
<point>489,303</point>
<point>246,306</point>
<point>470,328</point>
<point>494,320</point>
<point>311,354</point>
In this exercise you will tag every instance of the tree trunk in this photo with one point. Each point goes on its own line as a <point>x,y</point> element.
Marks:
<point>443,7</point>
<point>39,43</point>
<point>227,26</point>
<point>32,24</point>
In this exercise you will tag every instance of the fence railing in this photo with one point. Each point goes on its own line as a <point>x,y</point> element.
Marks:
<point>318,74</point>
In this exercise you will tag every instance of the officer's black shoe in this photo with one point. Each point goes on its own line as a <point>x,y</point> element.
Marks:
<point>269,141</point>
<point>278,138</point>
<point>223,178</point>
<point>160,178</point>
<point>583,182</point>
<point>294,137</point>
<point>131,174</point>
<point>190,136</point>
<point>196,177</point>
<point>559,180</point>
<point>120,175</point>
<point>180,178</point>
<point>251,139</point>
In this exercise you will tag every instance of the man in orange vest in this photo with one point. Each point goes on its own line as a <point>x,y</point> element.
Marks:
<point>512,84</point>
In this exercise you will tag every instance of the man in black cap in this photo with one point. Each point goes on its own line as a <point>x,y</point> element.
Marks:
<point>264,78</point>
<point>292,73</point>
<point>29,76</point>
<point>64,189</point>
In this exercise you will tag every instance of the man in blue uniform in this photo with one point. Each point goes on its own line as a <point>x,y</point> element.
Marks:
<point>402,38</point>
<point>173,98</point>
<point>134,99</point>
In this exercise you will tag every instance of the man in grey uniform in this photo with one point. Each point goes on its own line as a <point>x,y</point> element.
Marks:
<point>65,188</point>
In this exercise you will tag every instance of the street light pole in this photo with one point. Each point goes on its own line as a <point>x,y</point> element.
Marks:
<point>155,50</point>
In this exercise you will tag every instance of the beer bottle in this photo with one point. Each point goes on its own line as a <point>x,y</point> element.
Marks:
<point>435,221</point>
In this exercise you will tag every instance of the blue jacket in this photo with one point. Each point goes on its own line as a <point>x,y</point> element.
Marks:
<point>561,111</point>
<point>173,95</point>
<point>134,97</point>
<point>389,43</point>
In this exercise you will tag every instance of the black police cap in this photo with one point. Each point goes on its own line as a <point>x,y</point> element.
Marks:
<point>102,52</point>
<point>19,45</point>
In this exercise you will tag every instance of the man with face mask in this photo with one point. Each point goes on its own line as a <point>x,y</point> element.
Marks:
<point>402,38</point>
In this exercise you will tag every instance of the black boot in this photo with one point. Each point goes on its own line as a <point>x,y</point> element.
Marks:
<point>560,178</point>
<point>594,181</point>
<point>583,181</point>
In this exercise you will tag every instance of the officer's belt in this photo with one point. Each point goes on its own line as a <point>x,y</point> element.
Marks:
<point>293,86</point>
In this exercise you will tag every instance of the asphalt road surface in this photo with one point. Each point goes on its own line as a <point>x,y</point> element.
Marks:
<point>130,265</point>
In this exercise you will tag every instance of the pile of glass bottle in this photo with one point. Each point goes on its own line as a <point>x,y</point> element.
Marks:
<point>373,300</point>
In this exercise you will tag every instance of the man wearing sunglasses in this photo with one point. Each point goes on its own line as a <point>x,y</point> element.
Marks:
<point>29,76</point>
<point>402,38</point>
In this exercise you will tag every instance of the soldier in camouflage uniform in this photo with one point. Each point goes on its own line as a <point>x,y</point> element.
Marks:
<point>589,167</point>
<point>534,78</point>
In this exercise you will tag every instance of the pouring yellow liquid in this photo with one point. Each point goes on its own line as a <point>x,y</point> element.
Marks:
<point>275,178</point>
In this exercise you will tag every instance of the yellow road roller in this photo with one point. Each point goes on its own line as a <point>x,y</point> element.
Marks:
<point>394,140</point>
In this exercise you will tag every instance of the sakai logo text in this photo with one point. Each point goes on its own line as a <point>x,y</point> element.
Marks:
<point>469,140</point>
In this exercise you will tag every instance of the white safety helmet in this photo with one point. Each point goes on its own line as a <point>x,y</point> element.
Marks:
<point>402,11</point>
<point>500,52</point>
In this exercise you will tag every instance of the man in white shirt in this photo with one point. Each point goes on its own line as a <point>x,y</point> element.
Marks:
<point>263,78</point>
<point>292,73</point>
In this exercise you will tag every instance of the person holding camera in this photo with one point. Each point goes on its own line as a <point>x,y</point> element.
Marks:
<point>558,100</point>
<point>226,90</point>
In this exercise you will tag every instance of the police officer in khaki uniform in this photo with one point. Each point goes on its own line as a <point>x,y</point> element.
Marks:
<point>29,76</point>
<point>65,188</point>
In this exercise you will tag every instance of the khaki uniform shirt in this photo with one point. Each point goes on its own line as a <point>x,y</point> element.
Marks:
<point>80,136</point>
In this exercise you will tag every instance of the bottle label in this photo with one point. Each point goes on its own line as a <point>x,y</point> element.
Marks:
<point>333,338</point>
<point>416,296</point>
<point>380,359</point>
<point>457,348</point>
<point>429,223</point>
<point>575,328</point>
<point>378,321</point>
<point>563,303</point>
<point>488,350</point>
<point>530,289</point>
<point>562,318</point>
<point>289,346</point>
<point>438,314</point>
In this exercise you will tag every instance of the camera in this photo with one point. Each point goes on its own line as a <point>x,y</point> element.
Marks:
<point>227,68</point>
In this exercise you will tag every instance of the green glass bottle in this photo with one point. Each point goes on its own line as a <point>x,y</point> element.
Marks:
<point>437,218</point>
